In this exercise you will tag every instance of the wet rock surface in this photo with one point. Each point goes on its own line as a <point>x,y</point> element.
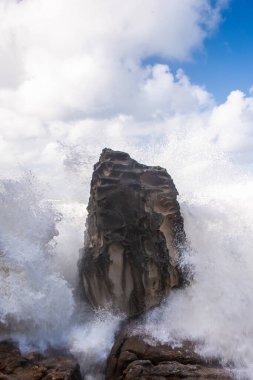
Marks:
<point>52,365</point>
<point>134,235</point>
<point>132,357</point>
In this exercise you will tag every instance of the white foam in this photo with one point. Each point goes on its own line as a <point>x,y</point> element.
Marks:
<point>36,302</point>
<point>39,270</point>
<point>216,203</point>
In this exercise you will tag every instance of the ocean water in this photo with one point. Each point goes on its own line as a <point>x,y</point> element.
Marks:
<point>41,234</point>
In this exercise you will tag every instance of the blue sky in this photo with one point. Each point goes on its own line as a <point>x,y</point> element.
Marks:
<point>226,61</point>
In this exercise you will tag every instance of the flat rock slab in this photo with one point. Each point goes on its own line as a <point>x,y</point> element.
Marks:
<point>35,366</point>
<point>134,358</point>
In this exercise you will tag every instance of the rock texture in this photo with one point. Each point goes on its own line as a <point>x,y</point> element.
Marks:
<point>134,235</point>
<point>132,358</point>
<point>35,366</point>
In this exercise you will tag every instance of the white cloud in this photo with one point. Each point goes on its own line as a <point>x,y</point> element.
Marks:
<point>232,124</point>
<point>64,58</point>
<point>72,81</point>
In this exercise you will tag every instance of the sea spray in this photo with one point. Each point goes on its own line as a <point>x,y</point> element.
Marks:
<point>92,341</point>
<point>36,302</point>
<point>38,274</point>
<point>216,199</point>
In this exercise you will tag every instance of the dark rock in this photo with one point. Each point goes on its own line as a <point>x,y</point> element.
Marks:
<point>132,357</point>
<point>53,365</point>
<point>134,235</point>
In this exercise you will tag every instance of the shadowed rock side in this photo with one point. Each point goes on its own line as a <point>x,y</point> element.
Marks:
<point>35,366</point>
<point>134,235</point>
<point>132,358</point>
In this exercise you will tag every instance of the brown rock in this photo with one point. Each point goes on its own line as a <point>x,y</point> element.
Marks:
<point>145,370</point>
<point>132,357</point>
<point>35,366</point>
<point>134,235</point>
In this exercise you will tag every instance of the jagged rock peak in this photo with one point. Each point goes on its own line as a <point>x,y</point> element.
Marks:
<point>134,235</point>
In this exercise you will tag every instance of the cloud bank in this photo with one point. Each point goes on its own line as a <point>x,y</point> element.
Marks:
<point>75,76</point>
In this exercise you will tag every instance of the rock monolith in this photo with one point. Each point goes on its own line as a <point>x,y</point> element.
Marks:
<point>134,235</point>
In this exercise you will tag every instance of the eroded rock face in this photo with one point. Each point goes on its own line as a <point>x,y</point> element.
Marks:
<point>132,358</point>
<point>134,235</point>
<point>35,366</point>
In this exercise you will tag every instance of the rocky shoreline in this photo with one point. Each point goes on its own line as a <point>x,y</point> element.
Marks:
<point>132,357</point>
<point>51,365</point>
<point>135,357</point>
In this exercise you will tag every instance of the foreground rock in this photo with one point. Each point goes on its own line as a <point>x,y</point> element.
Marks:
<point>134,235</point>
<point>35,366</point>
<point>132,358</point>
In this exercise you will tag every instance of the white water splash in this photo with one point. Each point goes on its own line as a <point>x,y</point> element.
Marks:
<point>39,270</point>
<point>38,274</point>
<point>36,302</point>
<point>216,203</point>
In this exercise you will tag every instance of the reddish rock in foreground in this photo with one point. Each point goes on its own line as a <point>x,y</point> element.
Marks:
<point>35,366</point>
<point>132,358</point>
